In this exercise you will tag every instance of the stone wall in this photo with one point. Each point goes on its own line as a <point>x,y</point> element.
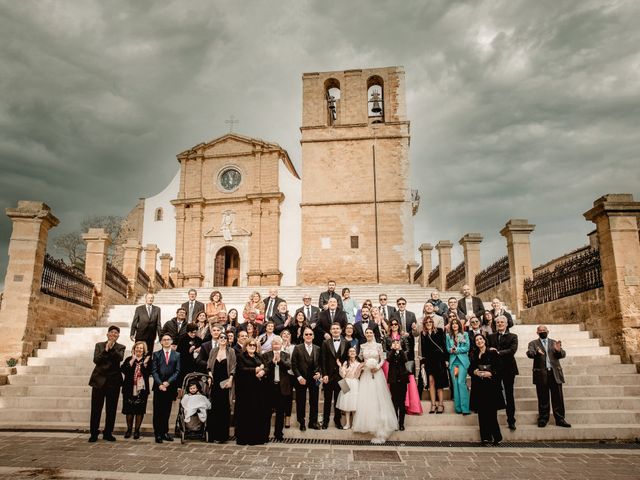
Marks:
<point>502,291</point>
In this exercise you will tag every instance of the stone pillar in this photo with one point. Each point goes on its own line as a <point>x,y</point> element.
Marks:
<point>165,267</point>
<point>471,247</point>
<point>150,261</point>
<point>616,218</point>
<point>174,273</point>
<point>444,260</point>
<point>131,263</point>
<point>95,264</point>
<point>517,232</point>
<point>27,247</point>
<point>412,267</point>
<point>427,266</point>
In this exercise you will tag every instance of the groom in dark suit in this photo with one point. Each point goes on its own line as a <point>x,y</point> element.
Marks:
<point>105,383</point>
<point>165,369</point>
<point>146,325</point>
<point>333,349</point>
<point>305,363</point>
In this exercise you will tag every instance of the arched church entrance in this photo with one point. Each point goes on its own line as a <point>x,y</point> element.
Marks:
<point>226,271</point>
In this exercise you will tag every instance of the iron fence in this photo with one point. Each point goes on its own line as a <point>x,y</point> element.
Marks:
<point>493,275</point>
<point>115,279</point>
<point>455,276</point>
<point>143,279</point>
<point>68,283</point>
<point>435,273</point>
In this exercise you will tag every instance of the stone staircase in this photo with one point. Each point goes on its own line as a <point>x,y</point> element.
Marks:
<point>602,395</point>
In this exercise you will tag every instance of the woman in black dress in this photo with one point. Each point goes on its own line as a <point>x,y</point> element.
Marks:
<point>433,353</point>
<point>486,394</point>
<point>135,388</point>
<point>222,368</point>
<point>188,344</point>
<point>297,328</point>
<point>252,413</point>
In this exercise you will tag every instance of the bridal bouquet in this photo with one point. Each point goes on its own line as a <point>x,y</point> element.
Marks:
<point>371,364</point>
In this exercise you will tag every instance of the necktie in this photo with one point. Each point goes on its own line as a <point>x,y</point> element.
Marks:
<point>190,311</point>
<point>499,338</point>
<point>384,312</point>
<point>308,314</point>
<point>332,313</point>
<point>270,309</point>
<point>402,316</point>
<point>546,351</point>
<point>149,310</point>
<point>166,357</point>
<point>276,374</point>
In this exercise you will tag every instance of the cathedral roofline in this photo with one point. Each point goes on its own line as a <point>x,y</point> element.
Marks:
<point>254,142</point>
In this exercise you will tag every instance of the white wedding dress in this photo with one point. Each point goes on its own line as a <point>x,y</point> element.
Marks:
<point>374,412</point>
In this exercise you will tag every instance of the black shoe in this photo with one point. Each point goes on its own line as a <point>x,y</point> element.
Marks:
<point>167,437</point>
<point>315,426</point>
<point>325,426</point>
<point>512,426</point>
<point>466,413</point>
<point>542,423</point>
<point>127,434</point>
<point>158,439</point>
<point>485,443</point>
<point>564,424</point>
<point>279,438</point>
<point>136,435</point>
<point>338,425</point>
<point>303,428</point>
<point>93,438</point>
<point>108,437</point>
<point>496,442</point>
<point>401,427</point>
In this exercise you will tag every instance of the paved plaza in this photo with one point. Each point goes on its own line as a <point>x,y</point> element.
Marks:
<point>68,456</point>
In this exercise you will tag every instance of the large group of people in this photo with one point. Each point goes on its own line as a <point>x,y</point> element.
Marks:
<point>372,363</point>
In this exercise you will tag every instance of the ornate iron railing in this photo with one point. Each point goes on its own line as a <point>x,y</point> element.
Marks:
<point>68,283</point>
<point>576,275</point>
<point>115,279</point>
<point>455,276</point>
<point>159,281</point>
<point>435,273</point>
<point>143,279</point>
<point>493,275</point>
<point>171,284</point>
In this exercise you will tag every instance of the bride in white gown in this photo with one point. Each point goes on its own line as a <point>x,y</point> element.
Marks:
<point>374,410</point>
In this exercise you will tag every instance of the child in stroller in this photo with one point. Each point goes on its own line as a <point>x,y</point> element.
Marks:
<point>192,414</point>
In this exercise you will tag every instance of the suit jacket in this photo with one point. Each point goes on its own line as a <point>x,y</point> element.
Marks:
<point>303,364</point>
<point>277,302</point>
<point>329,355</point>
<point>506,314</point>
<point>390,311</point>
<point>462,350</point>
<point>324,323</point>
<point>315,311</point>
<point>279,321</point>
<point>106,373</point>
<point>197,308</point>
<point>171,328</point>
<point>358,331</point>
<point>203,356</point>
<point>478,306</point>
<point>325,296</point>
<point>397,372</point>
<point>507,347</point>
<point>284,365</point>
<point>163,372</point>
<point>540,363</point>
<point>143,327</point>
<point>409,317</point>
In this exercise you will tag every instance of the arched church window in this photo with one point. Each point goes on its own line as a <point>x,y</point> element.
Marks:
<point>375,99</point>
<point>332,94</point>
<point>158,215</point>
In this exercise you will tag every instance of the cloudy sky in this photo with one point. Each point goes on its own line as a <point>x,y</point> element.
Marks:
<point>519,109</point>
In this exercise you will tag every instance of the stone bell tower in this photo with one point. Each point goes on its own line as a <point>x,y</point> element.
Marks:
<point>357,215</point>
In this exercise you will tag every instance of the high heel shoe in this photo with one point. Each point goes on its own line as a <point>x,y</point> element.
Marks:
<point>287,422</point>
<point>127,434</point>
<point>433,409</point>
<point>440,409</point>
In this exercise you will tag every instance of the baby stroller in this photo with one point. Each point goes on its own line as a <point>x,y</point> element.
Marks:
<point>195,429</point>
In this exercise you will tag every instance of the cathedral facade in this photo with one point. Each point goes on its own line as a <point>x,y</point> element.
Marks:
<point>238,213</point>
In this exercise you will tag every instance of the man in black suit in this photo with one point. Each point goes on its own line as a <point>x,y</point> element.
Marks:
<point>469,305</point>
<point>548,376</point>
<point>386,310</point>
<point>177,326</point>
<point>360,327</point>
<point>206,347</point>
<point>305,363</point>
<point>146,325</point>
<point>327,318</point>
<point>281,318</point>
<point>505,344</point>
<point>497,309</point>
<point>398,378</point>
<point>453,305</point>
<point>323,301</point>
<point>192,306</point>
<point>165,370</point>
<point>333,349</point>
<point>404,317</point>
<point>105,383</point>
<point>311,312</point>
<point>277,363</point>
<point>271,303</point>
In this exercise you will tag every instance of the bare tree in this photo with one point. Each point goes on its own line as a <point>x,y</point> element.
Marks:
<point>72,245</point>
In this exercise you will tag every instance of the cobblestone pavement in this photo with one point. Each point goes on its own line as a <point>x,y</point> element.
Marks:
<point>42,456</point>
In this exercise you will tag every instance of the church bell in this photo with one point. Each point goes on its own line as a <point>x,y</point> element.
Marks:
<point>375,102</point>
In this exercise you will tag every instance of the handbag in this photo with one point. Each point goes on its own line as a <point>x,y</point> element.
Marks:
<point>139,399</point>
<point>410,365</point>
<point>344,386</point>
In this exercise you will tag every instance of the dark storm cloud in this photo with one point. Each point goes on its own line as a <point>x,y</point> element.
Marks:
<point>518,109</point>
